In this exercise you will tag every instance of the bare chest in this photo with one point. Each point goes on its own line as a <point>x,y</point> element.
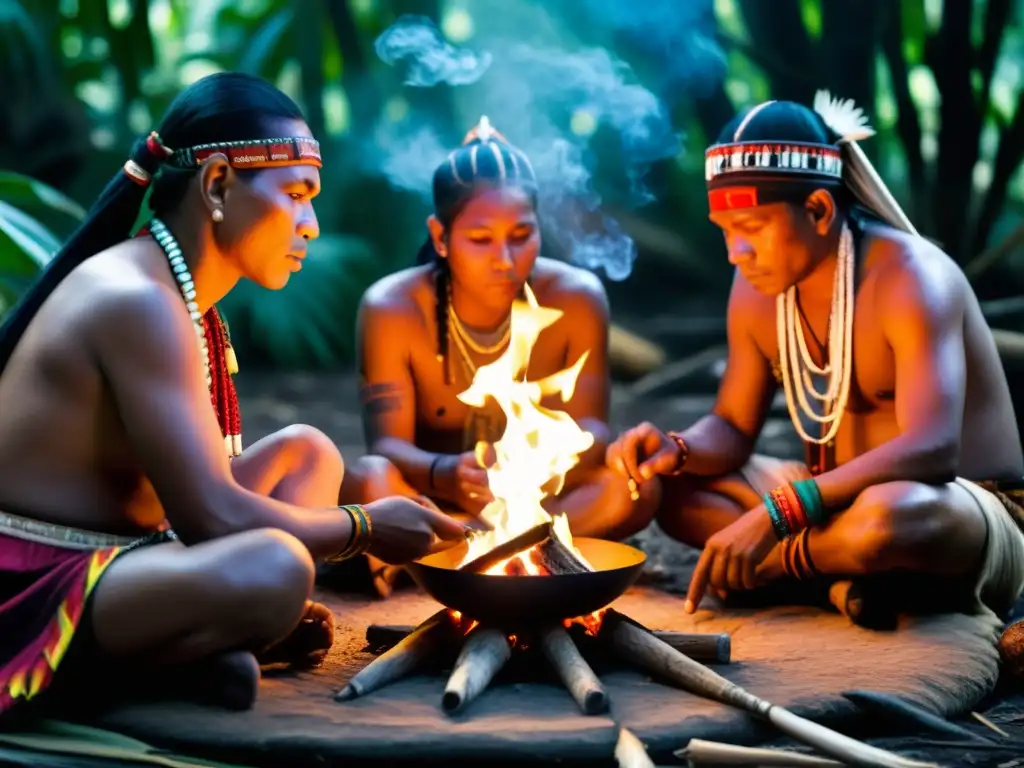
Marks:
<point>873,375</point>
<point>443,421</point>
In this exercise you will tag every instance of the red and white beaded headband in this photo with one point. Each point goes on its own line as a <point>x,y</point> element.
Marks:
<point>769,157</point>
<point>257,153</point>
<point>744,174</point>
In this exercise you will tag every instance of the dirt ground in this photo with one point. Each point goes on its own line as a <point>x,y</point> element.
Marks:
<point>330,402</point>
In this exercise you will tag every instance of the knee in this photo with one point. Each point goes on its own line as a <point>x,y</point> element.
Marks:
<point>266,580</point>
<point>624,515</point>
<point>898,524</point>
<point>636,513</point>
<point>310,451</point>
<point>378,478</point>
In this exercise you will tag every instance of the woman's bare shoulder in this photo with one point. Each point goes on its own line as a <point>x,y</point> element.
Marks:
<point>562,285</point>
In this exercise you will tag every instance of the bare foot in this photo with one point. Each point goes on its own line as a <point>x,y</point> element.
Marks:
<point>309,641</point>
<point>383,576</point>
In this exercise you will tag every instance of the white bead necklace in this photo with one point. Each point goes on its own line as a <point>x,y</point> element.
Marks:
<point>187,286</point>
<point>795,359</point>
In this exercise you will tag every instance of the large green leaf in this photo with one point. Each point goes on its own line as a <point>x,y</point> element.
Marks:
<point>266,51</point>
<point>25,244</point>
<point>77,745</point>
<point>310,324</point>
<point>30,196</point>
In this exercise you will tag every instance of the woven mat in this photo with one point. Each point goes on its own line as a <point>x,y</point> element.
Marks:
<point>800,658</point>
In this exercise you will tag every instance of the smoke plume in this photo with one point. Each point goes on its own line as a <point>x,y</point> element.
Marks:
<point>554,98</point>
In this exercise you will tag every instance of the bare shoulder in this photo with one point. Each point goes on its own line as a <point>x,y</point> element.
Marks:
<point>570,288</point>
<point>398,298</point>
<point>913,275</point>
<point>130,308</point>
<point>125,293</point>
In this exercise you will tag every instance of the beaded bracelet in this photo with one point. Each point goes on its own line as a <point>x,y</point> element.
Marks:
<point>794,507</point>
<point>684,453</point>
<point>359,539</point>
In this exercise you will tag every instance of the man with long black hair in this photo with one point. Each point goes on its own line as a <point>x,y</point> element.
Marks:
<point>126,500</point>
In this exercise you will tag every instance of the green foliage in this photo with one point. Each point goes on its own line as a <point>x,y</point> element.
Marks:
<point>311,323</point>
<point>83,78</point>
<point>26,243</point>
<point>58,744</point>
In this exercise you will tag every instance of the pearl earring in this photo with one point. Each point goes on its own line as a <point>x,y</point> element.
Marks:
<point>217,215</point>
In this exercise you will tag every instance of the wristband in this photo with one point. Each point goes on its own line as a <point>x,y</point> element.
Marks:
<point>360,537</point>
<point>684,453</point>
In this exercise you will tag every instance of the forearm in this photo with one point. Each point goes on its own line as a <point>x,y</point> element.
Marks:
<point>415,465</point>
<point>594,455</point>
<point>909,457</point>
<point>715,447</point>
<point>231,509</point>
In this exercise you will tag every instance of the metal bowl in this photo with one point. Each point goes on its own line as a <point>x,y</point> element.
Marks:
<point>517,601</point>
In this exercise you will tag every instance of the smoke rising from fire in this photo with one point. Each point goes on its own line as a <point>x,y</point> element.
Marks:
<point>554,98</point>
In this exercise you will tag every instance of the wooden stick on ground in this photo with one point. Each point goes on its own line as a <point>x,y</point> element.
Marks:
<point>712,648</point>
<point>700,753</point>
<point>637,645</point>
<point>482,656</point>
<point>402,659</point>
<point>630,752</point>
<point>893,708</point>
<point>579,678</point>
<point>513,546</point>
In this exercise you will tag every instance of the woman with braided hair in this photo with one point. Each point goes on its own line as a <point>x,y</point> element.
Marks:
<point>133,526</point>
<point>424,331</point>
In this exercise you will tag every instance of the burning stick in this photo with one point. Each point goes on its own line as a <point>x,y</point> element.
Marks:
<point>400,660</point>
<point>553,556</point>
<point>483,655</point>
<point>577,675</point>
<point>709,648</point>
<point>638,645</point>
<point>513,546</point>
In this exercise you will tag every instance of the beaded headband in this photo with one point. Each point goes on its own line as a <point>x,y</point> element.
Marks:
<point>743,174</point>
<point>257,153</point>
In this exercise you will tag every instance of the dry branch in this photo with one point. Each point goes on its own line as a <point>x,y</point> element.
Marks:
<point>402,659</point>
<point>700,753</point>
<point>512,547</point>
<point>638,646</point>
<point>556,558</point>
<point>579,678</point>
<point>713,648</point>
<point>482,657</point>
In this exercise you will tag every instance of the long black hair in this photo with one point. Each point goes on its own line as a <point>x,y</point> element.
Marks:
<point>485,160</point>
<point>222,107</point>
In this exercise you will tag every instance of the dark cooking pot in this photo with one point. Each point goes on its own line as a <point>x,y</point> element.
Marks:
<point>517,601</point>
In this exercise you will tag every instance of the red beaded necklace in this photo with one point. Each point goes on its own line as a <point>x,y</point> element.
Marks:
<point>214,342</point>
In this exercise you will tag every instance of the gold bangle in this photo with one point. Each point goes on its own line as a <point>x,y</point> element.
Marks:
<point>359,539</point>
<point>363,537</point>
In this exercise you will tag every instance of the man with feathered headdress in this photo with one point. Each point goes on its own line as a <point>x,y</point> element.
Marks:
<point>890,375</point>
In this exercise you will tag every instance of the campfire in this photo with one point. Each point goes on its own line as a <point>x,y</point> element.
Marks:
<point>523,582</point>
<point>526,585</point>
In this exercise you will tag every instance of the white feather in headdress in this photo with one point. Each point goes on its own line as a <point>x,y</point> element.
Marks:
<point>843,116</point>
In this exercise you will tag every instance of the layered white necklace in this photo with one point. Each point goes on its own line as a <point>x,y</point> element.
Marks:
<point>799,368</point>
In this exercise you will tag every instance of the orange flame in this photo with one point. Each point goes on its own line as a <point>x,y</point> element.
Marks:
<point>539,445</point>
